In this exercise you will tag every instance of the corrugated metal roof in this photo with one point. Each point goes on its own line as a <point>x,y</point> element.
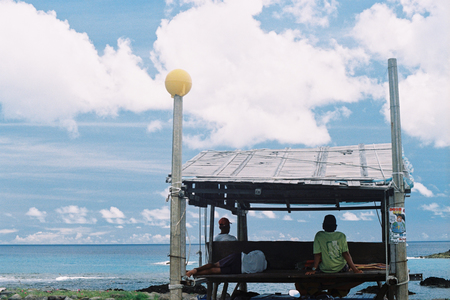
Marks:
<point>290,179</point>
<point>329,165</point>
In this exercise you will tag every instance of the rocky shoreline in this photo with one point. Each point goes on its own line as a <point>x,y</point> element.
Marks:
<point>438,255</point>
<point>156,292</point>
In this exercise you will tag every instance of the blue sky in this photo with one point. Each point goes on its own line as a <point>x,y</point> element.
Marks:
<point>85,121</point>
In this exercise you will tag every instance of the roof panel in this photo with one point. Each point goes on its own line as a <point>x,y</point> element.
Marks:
<point>358,162</point>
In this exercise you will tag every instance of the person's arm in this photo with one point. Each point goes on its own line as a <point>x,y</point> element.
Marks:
<point>349,260</point>
<point>317,258</point>
<point>205,269</point>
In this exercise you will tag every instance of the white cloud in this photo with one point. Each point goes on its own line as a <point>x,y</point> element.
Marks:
<point>36,213</point>
<point>73,214</point>
<point>360,216</point>
<point>418,187</point>
<point>113,215</point>
<point>287,218</point>
<point>157,217</point>
<point>6,231</point>
<point>161,239</point>
<point>311,12</point>
<point>262,214</point>
<point>56,236</point>
<point>154,126</point>
<point>50,73</point>
<point>437,209</point>
<point>267,83</point>
<point>421,42</point>
<point>367,216</point>
<point>349,216</point>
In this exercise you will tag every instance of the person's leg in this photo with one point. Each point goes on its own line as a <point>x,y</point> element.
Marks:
<point>231,264</point>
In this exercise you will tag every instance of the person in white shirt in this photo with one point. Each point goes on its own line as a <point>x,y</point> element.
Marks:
<point>224,235</point>
<point>236,263</point>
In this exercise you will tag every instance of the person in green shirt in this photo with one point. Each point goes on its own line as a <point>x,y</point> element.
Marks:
<point>330,250</point>
<point>331,255</point>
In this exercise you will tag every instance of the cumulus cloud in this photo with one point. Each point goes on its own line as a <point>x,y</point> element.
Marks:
<point>113,215</point>
<point>361,216</point>
<point>423,190</point>
<point>57,236</point>
<point>262,214</point>
<point>73,214</point>
<point>437,209</point>
<point>50,73</point>
<point>36,213</point>
<point>311,12</point>
<point>267,82</point>
<point>6,231</point>
<point>157,217</point>
<point>421,42</point>
<point>154,126</point>
<point>349,216</point>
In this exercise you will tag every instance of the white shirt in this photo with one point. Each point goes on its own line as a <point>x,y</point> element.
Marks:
<point>254,262</point>
<point>225,237</point>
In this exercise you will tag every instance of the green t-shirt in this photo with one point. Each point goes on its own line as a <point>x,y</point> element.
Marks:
<point>331,245</point>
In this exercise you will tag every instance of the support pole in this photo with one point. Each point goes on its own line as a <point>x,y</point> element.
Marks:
<point>176,213</point>
<point>200,237</point>
<point>211,232</point>
<point>242,235</point>
<point>401,269</point>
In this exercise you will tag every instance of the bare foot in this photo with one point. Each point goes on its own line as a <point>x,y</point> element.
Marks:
<point>191,272</point>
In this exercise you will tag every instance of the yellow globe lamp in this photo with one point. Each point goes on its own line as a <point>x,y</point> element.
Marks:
<point>178,82</point>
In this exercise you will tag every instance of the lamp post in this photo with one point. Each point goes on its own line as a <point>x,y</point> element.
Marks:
<point>178,83</point>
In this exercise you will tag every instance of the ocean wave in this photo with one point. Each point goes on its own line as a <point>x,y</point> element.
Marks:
<point>167,262</point>
<point>413,257</point>
<point>66,278</point>
<point>162,263</point>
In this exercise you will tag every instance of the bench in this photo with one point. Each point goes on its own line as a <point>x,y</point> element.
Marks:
<point>284,256</point>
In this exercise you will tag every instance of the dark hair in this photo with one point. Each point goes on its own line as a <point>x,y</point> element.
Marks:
<point>329,223</point>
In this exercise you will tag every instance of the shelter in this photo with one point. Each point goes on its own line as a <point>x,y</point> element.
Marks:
<point>322,178</point>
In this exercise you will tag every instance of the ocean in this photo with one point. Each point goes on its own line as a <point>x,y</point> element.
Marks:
<point>133,267</point>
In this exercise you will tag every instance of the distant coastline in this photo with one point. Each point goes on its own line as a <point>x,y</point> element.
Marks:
<point>438,255</point>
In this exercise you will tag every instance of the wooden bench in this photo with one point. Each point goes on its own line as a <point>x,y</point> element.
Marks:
<point>282,258</point>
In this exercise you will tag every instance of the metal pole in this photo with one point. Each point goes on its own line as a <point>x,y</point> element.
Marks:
<point>176,222</point>
<point>200,237</point>
<point>211,232</point>
<point>401,269</point>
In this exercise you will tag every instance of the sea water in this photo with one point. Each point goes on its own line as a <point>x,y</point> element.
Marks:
<point>133,267</point>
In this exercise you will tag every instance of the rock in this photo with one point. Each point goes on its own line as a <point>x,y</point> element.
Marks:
<point>373,289</point>
<point>160,289</point>
<point>164,288</point>
<point>186,296</point>
<point>153,295</point>
<point>436,282</point>
<point>109,299</point>
<point>165,296</point>
<point>55,297</point>
<point>15,297</point>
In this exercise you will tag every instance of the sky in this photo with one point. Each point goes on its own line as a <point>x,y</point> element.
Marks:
<point>86,122</point>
